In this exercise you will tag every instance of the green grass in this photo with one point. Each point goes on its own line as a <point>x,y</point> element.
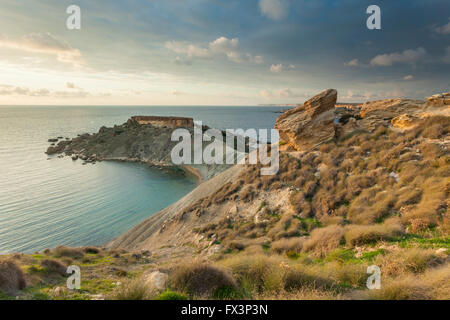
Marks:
<point>171,295</point>
<point>227,293</point>
<point>411,240</point>
<point>348,256</point>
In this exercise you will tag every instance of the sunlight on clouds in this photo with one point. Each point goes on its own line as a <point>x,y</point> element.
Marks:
<point>44,43</point>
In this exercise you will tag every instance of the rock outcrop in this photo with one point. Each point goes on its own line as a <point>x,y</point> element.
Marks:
<point>320,118</point>
<point>439,99</point>
<point>310,124</point>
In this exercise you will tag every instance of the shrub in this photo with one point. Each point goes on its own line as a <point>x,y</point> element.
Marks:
<point>434,284</point>
<point>357,234</point>
<point>92,250</point>
<point>324,240</point>
<point>200,280</point>
<point>11,277</point>
<point>300,276</point>
<point>256,273</point>
<point>74,253</point>
<point>135,289</point>
<point>53,266</point>
<point>409,260</point>
<point>288,245</point>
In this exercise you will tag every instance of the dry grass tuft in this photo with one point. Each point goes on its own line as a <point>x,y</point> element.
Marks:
<point>135,289</point>
<point>74,253</point>
<point>414,260</point>
<point>324,240</point>
<point>53,266</point>
<point>12,277</point>
<point>358,235</point>
<point>201,280</point>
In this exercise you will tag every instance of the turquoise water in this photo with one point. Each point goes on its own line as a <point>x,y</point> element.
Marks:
<point>45,202</point>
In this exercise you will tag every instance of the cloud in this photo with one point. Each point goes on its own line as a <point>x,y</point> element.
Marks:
<point>47,44</point>
<point>189,50</point>
<point>276,68</point>
<point>445,29</point>
<point>409,56</point>
<point>408,77</point>
<point>353,63</point>
<point>222,46</point>
<point>274,9</point>
<point>8,90</point>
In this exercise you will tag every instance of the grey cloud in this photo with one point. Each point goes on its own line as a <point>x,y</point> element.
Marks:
<point>409,56</point>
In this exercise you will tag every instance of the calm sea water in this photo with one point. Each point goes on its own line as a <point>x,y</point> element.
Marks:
<point>48,202</point>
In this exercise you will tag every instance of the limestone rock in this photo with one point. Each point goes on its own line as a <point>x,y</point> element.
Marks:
<point>309,125</point>
<point>404,121</point>
<point>382,112</point>
<point>439,99</point>
<point>158,280</point>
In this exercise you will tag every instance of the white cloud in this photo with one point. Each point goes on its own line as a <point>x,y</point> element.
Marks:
<point>189,50</point>
<point>45,43</point>
<point>276,68</point>
<point>445,29</point>
<point>410,56</point>
<point>274,9</point>
<point>222,46</point>
<point>353,63</point>
<point>408,77</point>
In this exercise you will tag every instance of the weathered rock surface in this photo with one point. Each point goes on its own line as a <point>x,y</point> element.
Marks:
<point>311,124</point>
<point>158,280</point>
<point>439,99</point>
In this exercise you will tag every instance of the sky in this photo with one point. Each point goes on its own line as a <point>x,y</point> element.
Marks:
<point>220,52</point>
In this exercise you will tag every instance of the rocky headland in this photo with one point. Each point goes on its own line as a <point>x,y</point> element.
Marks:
<point>145,139</point>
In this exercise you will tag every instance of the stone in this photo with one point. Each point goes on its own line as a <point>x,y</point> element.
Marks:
<point>310,124</point>
<point>158,280</point>
<point>394,176</point>
<point>404,121</point>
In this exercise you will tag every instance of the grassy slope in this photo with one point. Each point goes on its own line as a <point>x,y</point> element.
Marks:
<point>346,209</point>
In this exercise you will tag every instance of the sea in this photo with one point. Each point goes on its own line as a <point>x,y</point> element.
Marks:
<point>50,201</point>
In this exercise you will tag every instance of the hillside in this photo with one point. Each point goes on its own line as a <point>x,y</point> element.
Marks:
<point>357,186</point>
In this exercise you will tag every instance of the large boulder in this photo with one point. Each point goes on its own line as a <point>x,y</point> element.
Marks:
<point>12,278</point>
<point>310,124</point>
